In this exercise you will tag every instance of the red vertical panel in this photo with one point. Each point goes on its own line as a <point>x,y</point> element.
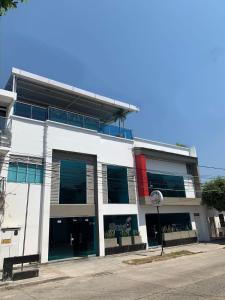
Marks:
<point>142,179</point>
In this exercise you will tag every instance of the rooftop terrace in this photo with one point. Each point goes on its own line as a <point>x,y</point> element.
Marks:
<point>43,91</point>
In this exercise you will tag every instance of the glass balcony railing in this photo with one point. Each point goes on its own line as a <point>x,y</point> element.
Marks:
<point>5,132</point>
<point>5,125</point>
<point>66,117</point>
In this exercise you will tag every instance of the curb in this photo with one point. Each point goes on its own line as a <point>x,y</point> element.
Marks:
<point>12,284</point>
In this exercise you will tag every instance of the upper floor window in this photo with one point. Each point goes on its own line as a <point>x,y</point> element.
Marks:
<point>117,184</point>
<point>25,173</point>
<point>73,188</point>
<point>169,185</point>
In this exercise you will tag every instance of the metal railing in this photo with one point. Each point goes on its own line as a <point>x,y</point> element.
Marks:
<point>2,192</point>
<point>70,118</point>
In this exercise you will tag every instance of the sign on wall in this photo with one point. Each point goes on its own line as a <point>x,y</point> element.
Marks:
<point>156,198</point>
<point>6,241</point>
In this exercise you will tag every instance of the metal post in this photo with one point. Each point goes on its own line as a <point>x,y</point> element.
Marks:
<point>25,226</point>
<point>160,230</point>
<point>14,85</point>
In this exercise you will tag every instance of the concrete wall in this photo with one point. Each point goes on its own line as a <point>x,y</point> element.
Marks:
<point>15,212</point>
<point>27,137</point>
<point>154,145</point>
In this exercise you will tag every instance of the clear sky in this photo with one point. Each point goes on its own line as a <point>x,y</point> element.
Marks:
<point>165,56</point>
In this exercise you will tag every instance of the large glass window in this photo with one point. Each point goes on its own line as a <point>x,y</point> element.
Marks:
<point>72,182</point>
<point>169,185</point>
<point>120,224</point>
<point>169,223</point>
<point>25,173</point>
<point>117,184</point>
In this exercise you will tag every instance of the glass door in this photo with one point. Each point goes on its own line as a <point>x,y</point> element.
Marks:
<point>153,231</point>
<point>84,236</point>
<point>71,237</point>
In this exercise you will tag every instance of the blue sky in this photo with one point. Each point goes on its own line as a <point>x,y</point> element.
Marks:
<point>167,57</point>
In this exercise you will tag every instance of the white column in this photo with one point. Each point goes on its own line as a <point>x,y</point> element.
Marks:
<point>193,223</point>
<point>45,203</point>
<point>142,224</point>
<point>100,211</point>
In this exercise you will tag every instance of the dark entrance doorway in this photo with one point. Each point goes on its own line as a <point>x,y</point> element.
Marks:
<point>2,112</point>
<point>169,222</point>
<point>72,237</point>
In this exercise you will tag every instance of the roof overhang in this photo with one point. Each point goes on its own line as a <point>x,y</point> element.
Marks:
<point>162,155</point>
<point>43,91</point>
<point>6,98</point>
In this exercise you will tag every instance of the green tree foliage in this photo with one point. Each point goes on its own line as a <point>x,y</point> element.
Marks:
<point>5,5</point>
<point>213,193</point>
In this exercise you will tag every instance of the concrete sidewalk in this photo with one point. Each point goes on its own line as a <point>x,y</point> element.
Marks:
<point>96,266</point>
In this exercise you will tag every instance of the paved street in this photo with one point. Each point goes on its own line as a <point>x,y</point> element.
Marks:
<point>199,276</point>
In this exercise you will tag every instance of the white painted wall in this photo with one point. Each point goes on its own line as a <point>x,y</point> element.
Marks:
<point>154,145</point>
<point>109,150</point>
<point>14,217</point>
<point>36,138</point>
<point>31,137</point>
<point>27,136</point>
<point>120,209</point>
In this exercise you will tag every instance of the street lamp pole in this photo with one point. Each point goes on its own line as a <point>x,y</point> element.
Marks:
<point>156,199</point>
<point>25,225</point>
<point>160,230</point>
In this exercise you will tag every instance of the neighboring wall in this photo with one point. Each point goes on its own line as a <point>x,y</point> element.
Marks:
<point>142,143</point>
<point>15,213</point>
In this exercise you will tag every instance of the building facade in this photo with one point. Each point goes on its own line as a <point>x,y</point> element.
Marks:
<point>73,183</point>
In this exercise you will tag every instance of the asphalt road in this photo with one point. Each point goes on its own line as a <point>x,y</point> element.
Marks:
<point>199,276</point>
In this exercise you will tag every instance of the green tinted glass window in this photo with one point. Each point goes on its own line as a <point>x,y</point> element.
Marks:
<point>169,185</point>
<point>12,172</point>
<point>25,173</point>
<point>117,184</point>
<point>31,173</point>
<point>22,173</point>
<point>72,182</point>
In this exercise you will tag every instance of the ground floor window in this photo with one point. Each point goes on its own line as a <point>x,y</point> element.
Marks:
<point>222,222</point>
<point>169,222</point>
<point>118,226</point>
<point>71,237</point>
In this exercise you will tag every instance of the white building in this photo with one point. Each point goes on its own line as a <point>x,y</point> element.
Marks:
<point>78,183</point>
